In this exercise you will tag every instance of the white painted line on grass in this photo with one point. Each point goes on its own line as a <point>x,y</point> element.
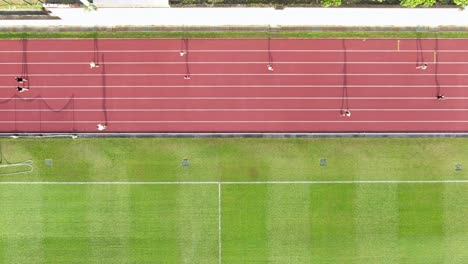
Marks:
<point>219,225</point>
<point>238,183</point>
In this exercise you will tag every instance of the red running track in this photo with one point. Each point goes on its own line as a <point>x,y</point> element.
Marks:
<point>140,85</point>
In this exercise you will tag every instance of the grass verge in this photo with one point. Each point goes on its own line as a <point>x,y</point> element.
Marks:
<point>156,159</point>
<point>32,35</point>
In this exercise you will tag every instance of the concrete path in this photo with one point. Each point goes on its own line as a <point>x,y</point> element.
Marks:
<point>131,3</point>
<point>242,17</point>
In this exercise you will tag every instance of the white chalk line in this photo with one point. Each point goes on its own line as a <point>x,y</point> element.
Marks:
<point>238,183</point>
<point>220,248</point>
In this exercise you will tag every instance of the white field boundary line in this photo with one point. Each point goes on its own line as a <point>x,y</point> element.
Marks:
<point>344,121</point>
<point>220,247</point>
<point>239,110</point>
<point>237,183</point>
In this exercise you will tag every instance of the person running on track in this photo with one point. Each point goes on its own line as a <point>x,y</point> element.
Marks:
<point>270,67</point>
<point>346,113</point>
<point>187,77</point>
<point>441,97</point>
<point>422,66</point>
<point>22,89</point>
<point>20,79</point>
<point>93,65</point>
<point>101,127</point>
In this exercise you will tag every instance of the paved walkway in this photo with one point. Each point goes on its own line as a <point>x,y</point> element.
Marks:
<point>131,3</point>
<point>241,17</point>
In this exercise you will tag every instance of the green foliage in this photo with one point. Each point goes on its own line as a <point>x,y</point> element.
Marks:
<point>325,3</point>
<point>328,3</point>
<point>462,3</point>
<point>415,3</point>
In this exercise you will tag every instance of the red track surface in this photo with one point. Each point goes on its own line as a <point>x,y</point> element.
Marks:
<point>140,86</point>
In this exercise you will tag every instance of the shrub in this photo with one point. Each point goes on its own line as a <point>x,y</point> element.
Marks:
<point>328,3</point>
<point>461,3</point>
<point>415,3</point>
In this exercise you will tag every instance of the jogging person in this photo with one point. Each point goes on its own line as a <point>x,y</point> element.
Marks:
<point>93,65</point>
<point>20,79</point>
<point>346,113</point>
<point>422,66</point>
<point>101,127</point>
<point>22,89</point>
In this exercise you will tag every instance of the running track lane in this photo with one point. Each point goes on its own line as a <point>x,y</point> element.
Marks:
<point>139,86</point>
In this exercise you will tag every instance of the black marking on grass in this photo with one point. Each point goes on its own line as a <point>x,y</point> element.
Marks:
<point>323,162</point>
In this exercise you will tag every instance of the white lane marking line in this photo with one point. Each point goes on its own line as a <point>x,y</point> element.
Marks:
<point>227,51</point>
<point>239,183</point>
<point>221,62</point>
<point>240,110</point>
<point>236,86</point>
<point>228,121</point>
<point>234,74</point>
<point>228,98</point>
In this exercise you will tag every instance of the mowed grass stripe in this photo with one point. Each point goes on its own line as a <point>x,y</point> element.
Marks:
<point>333,227</point>
<point>244,230</point>
<point>377,223</point>
<point>421,225</point>
<point>108,219</point>
<point>21,224</point>
<point>289,224</point>
<point>174,224</point>
<point>153,228</point>
<point>455,217</point>
<point>65,224</point>
<point>197,224</point>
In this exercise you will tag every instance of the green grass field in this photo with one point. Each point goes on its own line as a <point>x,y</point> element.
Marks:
<point>225,208</point>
